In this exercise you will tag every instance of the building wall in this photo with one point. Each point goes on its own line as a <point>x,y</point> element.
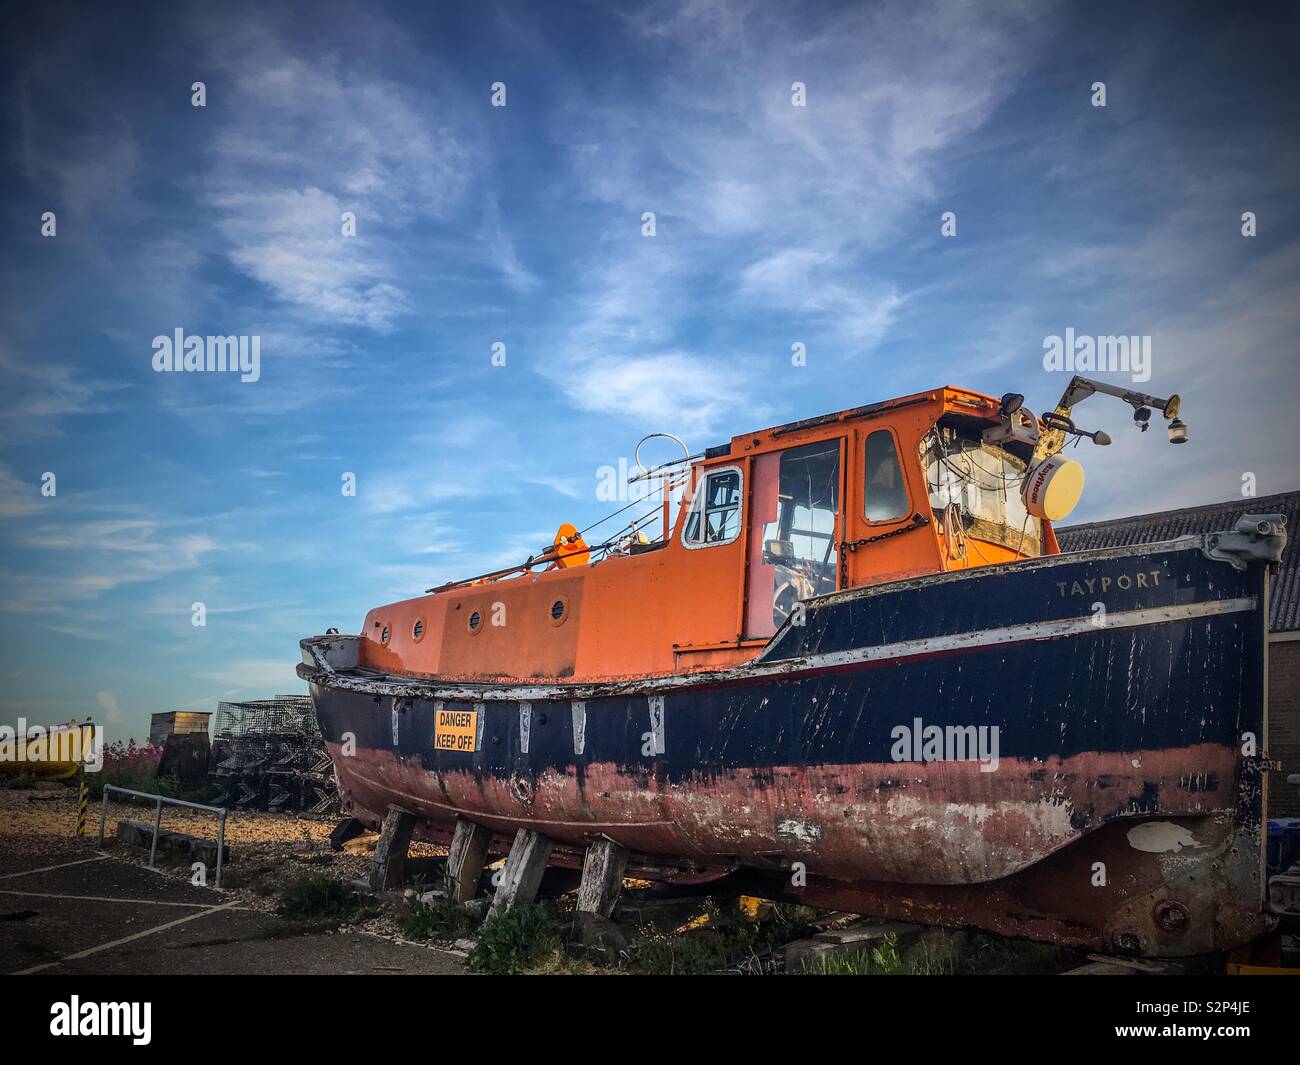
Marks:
<point>1284,724</point>
<point>163,725</point>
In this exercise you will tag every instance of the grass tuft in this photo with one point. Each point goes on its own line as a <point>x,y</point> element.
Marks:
<point>439,919</point>
<point>515,941</point>
<point>320,902</point>
<point>880,960</point>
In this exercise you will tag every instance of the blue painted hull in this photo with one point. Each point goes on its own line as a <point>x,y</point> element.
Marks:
<point>967,748</point>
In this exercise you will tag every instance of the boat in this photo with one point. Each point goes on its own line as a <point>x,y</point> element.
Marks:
<point>56,752</point>
<point>843,661</point>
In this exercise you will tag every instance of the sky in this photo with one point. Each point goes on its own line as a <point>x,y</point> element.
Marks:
<point>781,217</point>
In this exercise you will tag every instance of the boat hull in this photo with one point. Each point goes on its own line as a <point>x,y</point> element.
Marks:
<point>1083,772</point>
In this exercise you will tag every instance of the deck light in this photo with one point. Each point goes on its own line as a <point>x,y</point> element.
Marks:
<point>1080,388</point>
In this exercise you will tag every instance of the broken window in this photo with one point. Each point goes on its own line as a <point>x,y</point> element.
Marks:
<point>979,482</point>
<point>793,551</point>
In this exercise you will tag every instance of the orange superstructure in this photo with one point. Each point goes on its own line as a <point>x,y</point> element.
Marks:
<point>767,521</point>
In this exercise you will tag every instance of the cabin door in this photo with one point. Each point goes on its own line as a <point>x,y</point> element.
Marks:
<point>794,522</point>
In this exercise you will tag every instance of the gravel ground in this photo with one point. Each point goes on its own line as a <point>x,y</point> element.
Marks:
<point>38,826</point>
<point>53,813</point>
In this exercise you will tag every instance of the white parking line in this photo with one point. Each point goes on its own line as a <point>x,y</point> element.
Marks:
<point>126,939</point>
<point>104,898</point>
<point>51,868</point>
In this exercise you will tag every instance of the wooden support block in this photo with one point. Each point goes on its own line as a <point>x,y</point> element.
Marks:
<point>602,877</point>
<point>522,875</point>
<point>806,954</point>
<point>466,858</point>
<point>869,931</point>
<point>1101,968</point>
<point>388,866</point>
<point>347,829</point>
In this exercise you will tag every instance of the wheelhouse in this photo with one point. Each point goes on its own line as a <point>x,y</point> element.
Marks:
<point>744,534</point>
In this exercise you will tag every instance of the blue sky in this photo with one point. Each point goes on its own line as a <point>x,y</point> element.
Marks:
<point>522,224</point>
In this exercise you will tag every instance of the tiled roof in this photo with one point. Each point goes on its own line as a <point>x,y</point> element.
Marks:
<point>1216,517</point>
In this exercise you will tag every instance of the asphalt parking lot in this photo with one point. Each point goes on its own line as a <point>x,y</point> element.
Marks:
<point>69,908</point>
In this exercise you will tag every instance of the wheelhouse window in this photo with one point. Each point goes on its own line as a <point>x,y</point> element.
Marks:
<point>715,511</point>
<point>981,483</point>
<point>885,493</point>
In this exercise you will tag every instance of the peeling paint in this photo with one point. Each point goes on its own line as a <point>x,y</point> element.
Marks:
<point>798,830</point>
<point>578,711</point>
<point>1159,837</point>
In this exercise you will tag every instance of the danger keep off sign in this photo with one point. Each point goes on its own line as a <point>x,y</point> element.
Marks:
<point>455,730</point>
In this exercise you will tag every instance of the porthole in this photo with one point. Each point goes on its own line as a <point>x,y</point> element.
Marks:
<point>559,610</point>
<point>475,622</point>
<point>384,634</point>
<point>417,630</point>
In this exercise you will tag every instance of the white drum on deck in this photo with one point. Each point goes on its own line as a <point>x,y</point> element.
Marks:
<point>1052,488</point>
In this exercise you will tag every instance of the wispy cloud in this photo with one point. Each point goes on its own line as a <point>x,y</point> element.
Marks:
<point>108,702</point>
<point>253,674</point>
<point>103,555</point>
<point>39,390</point>
<point>782,209</point>
<point>502,252</point>
<point>18,499</point>
<point>662,388</point>
<point>303,141</point>
<point>291,241</point>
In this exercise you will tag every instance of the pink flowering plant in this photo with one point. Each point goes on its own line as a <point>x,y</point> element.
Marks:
<point>128,764</point>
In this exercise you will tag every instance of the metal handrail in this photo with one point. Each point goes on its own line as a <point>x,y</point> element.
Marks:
<point>157,821</point>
